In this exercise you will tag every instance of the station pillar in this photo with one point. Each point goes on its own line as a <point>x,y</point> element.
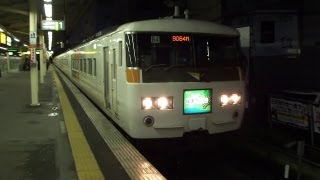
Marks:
<point>33,59</point>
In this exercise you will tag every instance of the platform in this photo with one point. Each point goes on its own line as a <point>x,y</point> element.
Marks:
<point>59,138</point>
<point>33,140</point>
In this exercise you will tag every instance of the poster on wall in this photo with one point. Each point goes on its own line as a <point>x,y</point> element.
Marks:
<point>32,55</point>
<point>289,113</point>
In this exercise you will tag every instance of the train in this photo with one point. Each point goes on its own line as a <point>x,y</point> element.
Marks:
<point>163,78</point>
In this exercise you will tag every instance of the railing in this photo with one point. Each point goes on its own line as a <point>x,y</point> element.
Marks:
<point>14,63</point>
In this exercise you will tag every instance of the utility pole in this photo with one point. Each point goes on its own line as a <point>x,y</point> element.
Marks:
<point>33,15</point>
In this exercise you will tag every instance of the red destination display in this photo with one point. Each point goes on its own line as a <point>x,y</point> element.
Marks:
<point>181,38</point>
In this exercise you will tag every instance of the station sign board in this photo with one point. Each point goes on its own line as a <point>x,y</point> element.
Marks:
<point>296,109</point>
<point>52,25</point>
<point>33,54</point>
<point>289,113</point>
<point>33,37</point>
<point>3,38</point>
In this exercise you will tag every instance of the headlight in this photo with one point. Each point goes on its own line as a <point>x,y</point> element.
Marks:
<point>147,103</point>
<point>235,98</point>
<point>161,103</point>
<point>224,99</point>
<point>230,99</point>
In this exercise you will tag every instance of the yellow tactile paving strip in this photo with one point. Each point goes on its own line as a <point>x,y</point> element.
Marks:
<point>85,162</point>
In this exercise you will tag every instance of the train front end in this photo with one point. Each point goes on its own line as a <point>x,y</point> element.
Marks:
<point>183,82</point>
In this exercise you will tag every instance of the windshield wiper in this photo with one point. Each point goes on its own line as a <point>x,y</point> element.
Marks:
<point>175,65</point>
<point>154,65</point>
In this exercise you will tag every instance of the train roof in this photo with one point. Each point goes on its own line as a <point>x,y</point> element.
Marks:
<point>178,25</point>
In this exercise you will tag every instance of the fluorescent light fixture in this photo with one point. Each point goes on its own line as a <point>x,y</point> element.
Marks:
<point>25,45</point>
<point>3,48</point>
<point>26,53</point>
<point>48,10</point>
<point>49,40</point>
<point>47,1</point>
<point>9,41</point>
<point>16,39</point>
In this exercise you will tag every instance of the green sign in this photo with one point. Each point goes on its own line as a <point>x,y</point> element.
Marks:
<point>12,49</point>
<point>197,101</point>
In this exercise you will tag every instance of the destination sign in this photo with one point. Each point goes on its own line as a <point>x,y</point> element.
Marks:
<point>181,38</point>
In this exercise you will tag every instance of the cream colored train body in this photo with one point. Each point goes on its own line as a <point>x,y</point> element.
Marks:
<point>162,78</point>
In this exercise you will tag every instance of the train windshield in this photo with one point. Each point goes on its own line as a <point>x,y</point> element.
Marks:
<point>176,57</point>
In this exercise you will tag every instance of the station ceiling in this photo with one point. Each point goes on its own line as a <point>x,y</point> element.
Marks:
<point>14,17</point>
<point>14,14</point>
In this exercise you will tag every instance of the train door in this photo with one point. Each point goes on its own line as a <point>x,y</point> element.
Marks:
<point>114,81</point>
<point>106,77</point>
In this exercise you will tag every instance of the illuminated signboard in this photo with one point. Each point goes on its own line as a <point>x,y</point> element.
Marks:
<point>168,38</point>
<point>197,101</point>
<point>3,38</point>
<point>52,25</point>
<point>8,40</point>
<point>181,38</point>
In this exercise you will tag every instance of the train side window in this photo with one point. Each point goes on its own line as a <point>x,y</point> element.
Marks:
<point>94,64</point>
<point>120,53</point>
<point>90,66</point>
<point>85,65</point>
<point>77,60</point>
<point>81,68</point>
